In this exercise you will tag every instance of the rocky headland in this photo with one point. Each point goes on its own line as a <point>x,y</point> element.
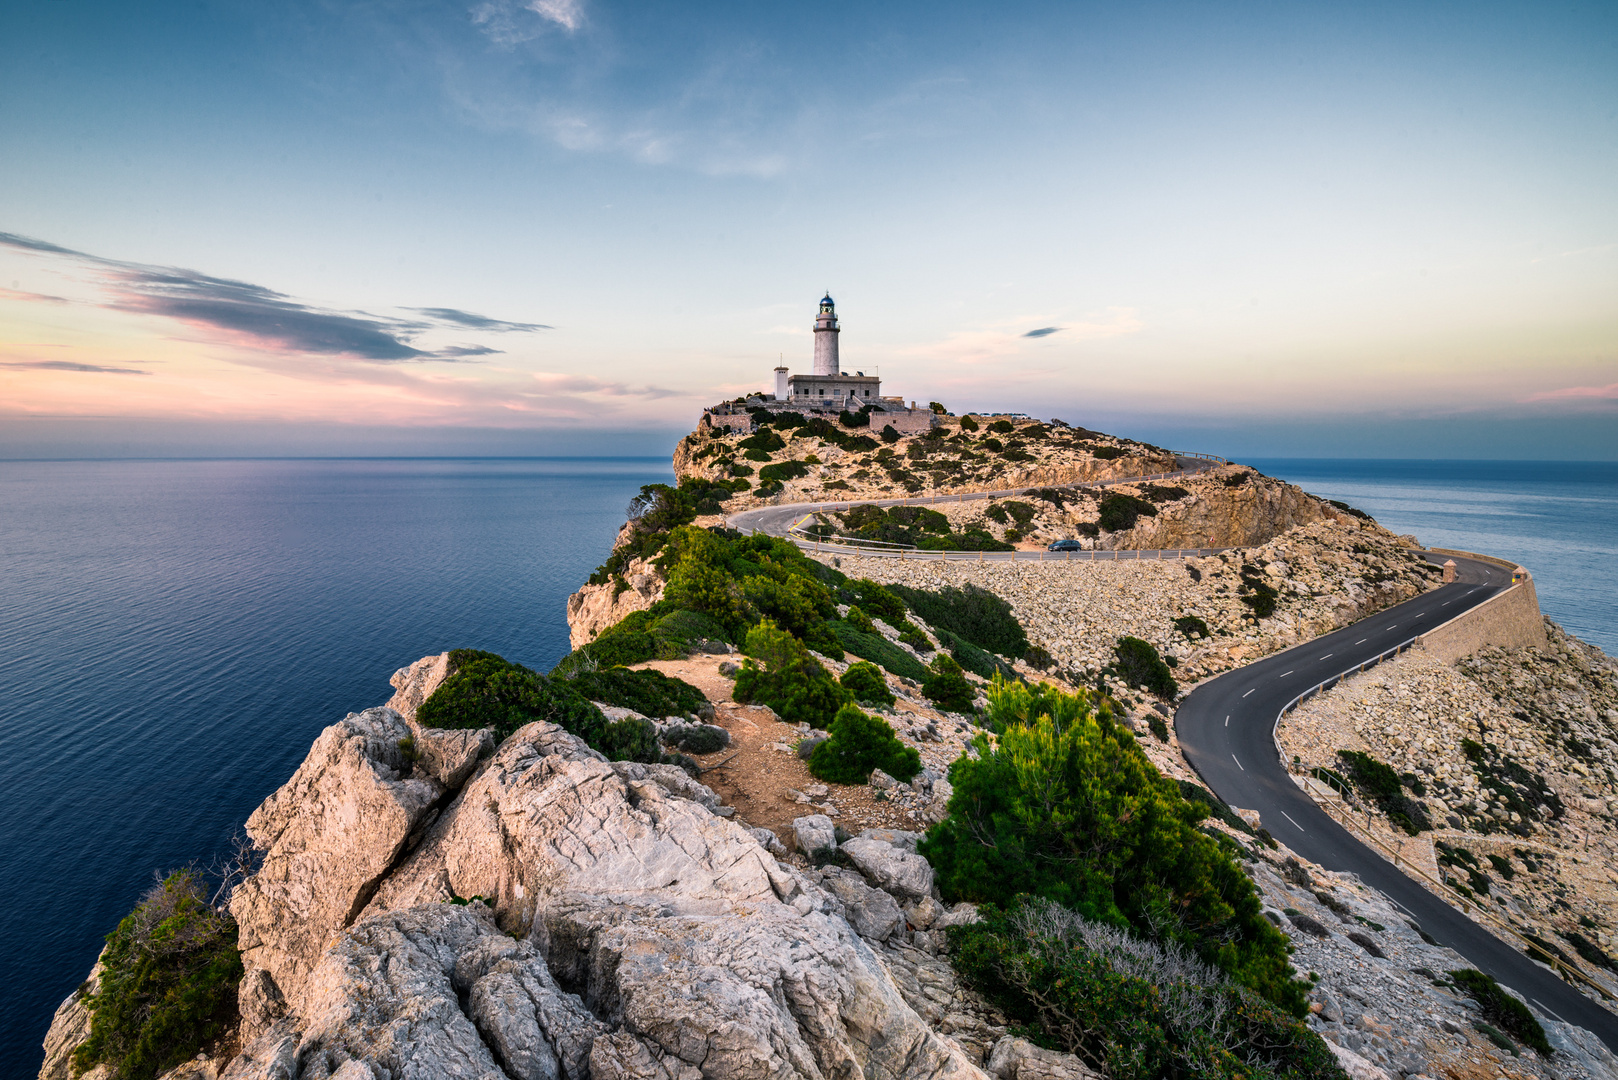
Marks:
<point>491,902</point>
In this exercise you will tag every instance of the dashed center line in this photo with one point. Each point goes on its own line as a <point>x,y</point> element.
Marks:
<point>1362,641</point>
<point>1288,816</point>
<point>1444,604</point>
<point>1419,614</point>
<point>1227,721</point>
<point>1238,762</point>
<point>1283,675</point>
<point>1250,691</point>
<point>1328,656</point>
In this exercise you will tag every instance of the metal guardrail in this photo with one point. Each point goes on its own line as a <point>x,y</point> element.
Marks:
<point>1470,908</point>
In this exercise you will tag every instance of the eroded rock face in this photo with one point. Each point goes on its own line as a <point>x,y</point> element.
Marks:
<point>628,931</point>
<point>595,607</point>
<point>69,1027</point>
<point>415,684</point>
<point>329,835</point>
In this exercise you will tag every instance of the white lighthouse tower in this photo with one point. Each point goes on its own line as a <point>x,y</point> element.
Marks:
<point>826,338</point>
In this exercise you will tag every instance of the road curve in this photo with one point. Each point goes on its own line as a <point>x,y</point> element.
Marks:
<point>779,521</point>
<point>1226,729</point>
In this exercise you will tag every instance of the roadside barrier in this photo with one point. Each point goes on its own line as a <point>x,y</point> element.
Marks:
<point>1343,816</point>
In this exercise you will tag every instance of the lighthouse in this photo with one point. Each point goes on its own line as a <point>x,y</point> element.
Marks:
<point>826,338</point>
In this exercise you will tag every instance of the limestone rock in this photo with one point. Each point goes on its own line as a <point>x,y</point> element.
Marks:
<point>1016,1058</point>
<point>814,833</point>
<point>69,1027</point>
<point>595,607</point>
<point>1356,1066</point>
<point>890,868</point>
<point>329,835</point>
<point>415,684</point>
<point>872,913</point>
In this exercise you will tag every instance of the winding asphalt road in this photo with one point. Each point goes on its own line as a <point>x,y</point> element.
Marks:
<point>1226,728</point>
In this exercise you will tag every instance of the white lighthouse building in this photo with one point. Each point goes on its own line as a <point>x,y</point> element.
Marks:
<point>826,332</point>
<point>828,388</point>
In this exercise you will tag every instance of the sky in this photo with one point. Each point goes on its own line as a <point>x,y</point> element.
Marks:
<point>565,226</point>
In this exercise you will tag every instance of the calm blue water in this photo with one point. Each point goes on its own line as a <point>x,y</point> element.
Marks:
<point>174,634</point>
<point>1557,518</point>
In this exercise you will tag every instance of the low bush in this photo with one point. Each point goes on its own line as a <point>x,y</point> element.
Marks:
<point>168,983</point>
<point>889,435</point>
<point>1503,1009</point>
<point>1036,657</point>
<point>1002,427</point>
<point>859,620</point>
<point>879,650</point>
<point>1160,493</point>
<point>765,440</point>
<point>1382,786</point>
<point>488,691</point>
<point>697,738</point>
<point>854,419</point>
<point>868,685</point>
<point>1351,511</point>
<point>972,613</point>
<point>858,744</point>
<point>946,687</point>
<point>1131,1009</point>
<point>978,661</point>
<point>968,424</point>
<point>1159,729</point>
<point>1107,453</point>
<point>791,682</point>
<point>650,693</point>
<point>1139,665</point>
<point>1120,511</point>
<point>1191,626</point>
<point>1256,593</point>
<point>1212,805</point>
<point>1065,806</point>
<point>783,470</point>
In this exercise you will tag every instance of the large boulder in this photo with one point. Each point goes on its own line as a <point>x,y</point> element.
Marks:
<point>415,684</point>
<point>1016,1058</point>
<point>814,832</point>
<point>329,835</point>
<point>887,867</point>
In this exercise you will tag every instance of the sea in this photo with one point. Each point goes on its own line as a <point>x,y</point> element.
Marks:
<point>174,634</point>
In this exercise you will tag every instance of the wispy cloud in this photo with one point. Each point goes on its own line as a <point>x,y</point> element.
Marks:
<point>1044,331</point>
<point>256,317</point>
<point>478,322</point>
<point>65,365</point>
<point>32,297</point>
<point>1578,393</point>
<point>506,23</point>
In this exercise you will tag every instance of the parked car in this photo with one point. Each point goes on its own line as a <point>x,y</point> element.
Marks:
<point>1065,545</point>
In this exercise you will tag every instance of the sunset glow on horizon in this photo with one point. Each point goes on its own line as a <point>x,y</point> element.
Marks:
<point>594,217</point>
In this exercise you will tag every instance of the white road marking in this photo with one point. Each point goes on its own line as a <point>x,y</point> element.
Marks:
<point>1289,818</point>
<point>1250,691</point>
<point>1362,641</point>
<point>1541,1004</point>
<point>1419,614</point>
<point>1238,762</point>
<point>1283,675</point>
<point>1227,721</point>
<point>1444,604</point>
<point>1328,656</point>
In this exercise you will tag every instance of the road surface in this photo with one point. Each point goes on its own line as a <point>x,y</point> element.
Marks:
<point>1226,729</point>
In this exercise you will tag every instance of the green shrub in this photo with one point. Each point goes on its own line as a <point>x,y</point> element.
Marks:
<point>650,693</point>
<point>792,682</point>
<point>889,435</point>
<point>1106,453</point>
<point>1347,509</point>
<point>1159,729</point>
<point>1256,593</point>
<point>764,439</point>
<point>946,687</point>
<point>1503,1009</point>
<point>975,614</point>
<point>865,681</point>
<point>1138,664</point>
<point>1212,805</point>
<point>854,419</point>
<point>879,650</point>
<point>859,620</point>
<point>1191,626</point>
<point>168,983</point>
<point>1131,1009</point>
<point>978,661</point>
<point>1035,656</point>
<point>968,424</point>
<point>783,470</point>
<point>488,691</point>
<point>858,744</point>
<point>1003,427</point>
<point>1383,786</point>
<point>1066,807</point>
<point>1120,511</point>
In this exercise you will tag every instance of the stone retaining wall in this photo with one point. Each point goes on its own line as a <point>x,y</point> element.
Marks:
<point>1509,619</point>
